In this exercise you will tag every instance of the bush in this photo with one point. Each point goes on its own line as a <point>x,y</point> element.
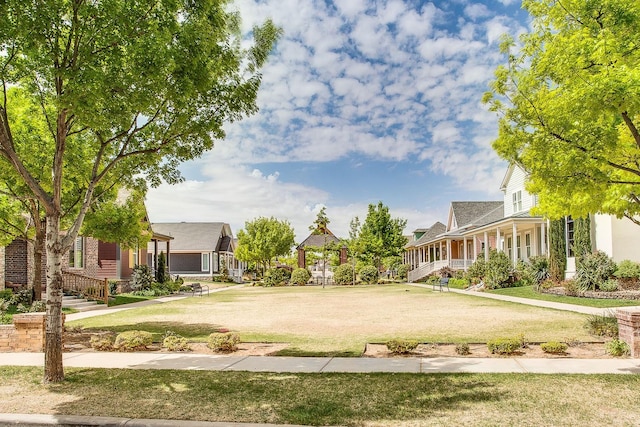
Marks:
<point>343,274</point>
<point>463,349</point>
<point>223,342</point>
<point>506,345</point>
<point>554,347</point>
<point>5,318</point>
<point>610,285</point>
<point>141,277</point>
<point>539,268</point>
<point>276,276</point>
<point>617,348</point>
<point>369,274</point>
<point>36,307</point>
<point>594,269</point>
<point>627,270</point>
<point>602,326</point>
<point>113,287</point>
<point>6,294</point>
<point>401,346</point>
<point>459,283</point>
<point>570,287</point>
<point>24,297</point>
<point>133,340</point>
<point>300,276</point>
<point>498,270</point>
<point>102,342</point>
<point>403,271</point>
<point>173,342</point>
<point>524,274</point>
<point>477,270</point>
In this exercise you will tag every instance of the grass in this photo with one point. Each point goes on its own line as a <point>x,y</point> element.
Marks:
<point>330,399</point>
<point>529,292</point>
<point>341,320</point>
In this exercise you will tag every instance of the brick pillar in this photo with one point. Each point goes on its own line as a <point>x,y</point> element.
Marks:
<point>629,329</point>
<point>2,277</point>
<point>29,332</point>
<point>302,260</point>
<point>343,255</point>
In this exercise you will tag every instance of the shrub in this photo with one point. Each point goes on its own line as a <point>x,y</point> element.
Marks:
<point>498,270</point>
<point>113,287</point>
<point>539,268</point>
<point>133,340</point>
<point>610,285</point>
<point>175,343</point>
<point>343,274</point>
<point>141,277</point>
<point>459,283</point>
<point>397,346</point>
<point>463,349</point>
<point>403,271</point>
<point>602,325</point>
<point>223,342</point>
<point>445,272</point>
<point>524,274</point>
<point>594,269</point>
<point>276,276</point>
<point>6,294</point>
<point>505,345</point>
<point>554,347</point>
<point>5,318</point>
<point>369,274</point>
<point>24,297</point>
<point>628,270</point>
<point>161,271</point>
<point>300,276</point>
<point>570,287</point>
<point>477,270</point>
<point>617,348</point>
<point>102,342</point>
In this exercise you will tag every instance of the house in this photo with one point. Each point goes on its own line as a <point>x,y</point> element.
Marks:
<point>473,228</point>
<point>201,249</point>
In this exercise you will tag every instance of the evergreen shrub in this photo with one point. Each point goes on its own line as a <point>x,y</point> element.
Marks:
<point>369,274</point>
<point>343,274</point>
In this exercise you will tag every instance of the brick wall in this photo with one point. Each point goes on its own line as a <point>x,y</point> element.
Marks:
<point>2,275</point>
<point>629,329</point>
<point>26,334</point>
<point>15,262</point>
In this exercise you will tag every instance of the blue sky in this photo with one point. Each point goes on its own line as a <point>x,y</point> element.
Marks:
<point>362,101</point>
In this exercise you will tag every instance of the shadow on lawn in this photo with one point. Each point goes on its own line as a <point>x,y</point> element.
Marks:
<point>187,330</point>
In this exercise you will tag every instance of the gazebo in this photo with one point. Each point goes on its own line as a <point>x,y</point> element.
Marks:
<point>319,238</point>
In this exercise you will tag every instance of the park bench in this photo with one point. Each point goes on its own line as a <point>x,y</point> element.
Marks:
<point>443,283</point>
<point>198,288</point>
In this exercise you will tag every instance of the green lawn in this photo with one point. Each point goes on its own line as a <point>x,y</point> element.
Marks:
<point>331,399</point>
<point>341,320</point>
<point>529,292</point>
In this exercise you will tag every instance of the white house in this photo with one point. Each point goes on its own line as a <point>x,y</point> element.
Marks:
<point>473,228</point>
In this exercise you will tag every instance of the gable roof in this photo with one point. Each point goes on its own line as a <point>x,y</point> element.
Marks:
<point>429,234</point>
<point>465,214</point>
<point>194,236</point>
<point>318,240</point>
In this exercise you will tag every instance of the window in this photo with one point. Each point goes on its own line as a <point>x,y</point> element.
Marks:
<point>518,247</point>
<point>509,247</point>
<point>205,262</point>
<point>527,243</point>
<point>517,201</point>
<point>76,253</point>
<point>569,231</point>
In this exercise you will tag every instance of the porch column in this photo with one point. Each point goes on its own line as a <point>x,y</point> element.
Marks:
<point>475,248</point>
<point>498,246</point>
<point>543,238</point>
<point>534,241</point>
<point>440,247</point>
<point>464,252</point>
<point>514,244</point>
<point>486,245</point>
<point>449,252</point>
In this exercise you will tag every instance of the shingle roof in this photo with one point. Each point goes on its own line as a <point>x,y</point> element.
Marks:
<point>192,236</point>
<point>318,240</point>
<point>477,213</point>
<point>429,234</point>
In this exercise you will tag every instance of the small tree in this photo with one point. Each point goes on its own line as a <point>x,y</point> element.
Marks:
<point>581,239</point>
<point>263,239</point>
<point>557,250</point>
<point>161,275</point>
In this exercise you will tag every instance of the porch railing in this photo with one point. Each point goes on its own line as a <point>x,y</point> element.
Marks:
<point>88,287</point>
<point>426,268</point>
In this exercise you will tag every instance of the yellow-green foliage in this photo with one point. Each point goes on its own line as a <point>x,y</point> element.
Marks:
<point>504,345</point>
<point>102,342</point>
<point>176,343</point>
<point>554,347</point>
<point>223,342</point>
<point>133,340</point>
<point>401,346</point>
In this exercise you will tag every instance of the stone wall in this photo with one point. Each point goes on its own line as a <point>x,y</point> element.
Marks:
<point>629,329</point>
<point>26,334</point>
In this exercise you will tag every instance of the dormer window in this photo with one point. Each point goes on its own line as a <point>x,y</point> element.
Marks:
<point>517,201</point>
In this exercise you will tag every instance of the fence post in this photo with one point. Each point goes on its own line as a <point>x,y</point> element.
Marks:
<point>105,291</point>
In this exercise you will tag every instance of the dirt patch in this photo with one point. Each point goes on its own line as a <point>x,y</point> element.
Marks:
<point>576,351</point>
<point>80,341</point>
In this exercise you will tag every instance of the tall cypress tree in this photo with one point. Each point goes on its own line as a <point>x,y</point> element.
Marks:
<point>557,249</point>
<point>581,239</point>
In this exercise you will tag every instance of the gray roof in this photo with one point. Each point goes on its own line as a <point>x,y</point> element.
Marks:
<point>477,213</point>
<point>429,234</point>
<point>193,236</point>
<point>318,240</point>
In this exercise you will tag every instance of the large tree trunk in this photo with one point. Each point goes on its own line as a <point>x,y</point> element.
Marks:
<point>53,370</point>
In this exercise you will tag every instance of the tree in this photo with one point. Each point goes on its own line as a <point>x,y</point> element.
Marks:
<point>380,235</point>
<point>319,227</point>
<point>581,239</point>
<point>128,90</point>
<point>263,239</point>
<point>569,106</point>
<point>557,249</point>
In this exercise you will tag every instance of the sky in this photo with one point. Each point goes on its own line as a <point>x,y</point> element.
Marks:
<point>361,101</point>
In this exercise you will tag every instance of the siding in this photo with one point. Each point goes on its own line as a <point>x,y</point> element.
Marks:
<point>516,183</point>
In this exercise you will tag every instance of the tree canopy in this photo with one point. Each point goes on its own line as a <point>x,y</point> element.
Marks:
<point>125,90</point>
<point>569,106</point>
<point>380,235</point>
<point>263,239</point>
